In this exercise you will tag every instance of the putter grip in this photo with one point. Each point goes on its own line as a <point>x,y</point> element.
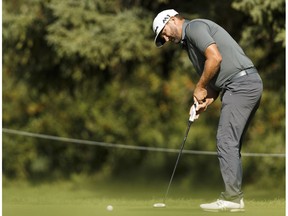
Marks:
<point>193,113</point>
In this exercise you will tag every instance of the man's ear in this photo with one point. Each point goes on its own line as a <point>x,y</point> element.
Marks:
<point>173,19</point>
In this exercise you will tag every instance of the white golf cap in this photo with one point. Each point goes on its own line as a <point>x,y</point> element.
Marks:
<point>159,22</point>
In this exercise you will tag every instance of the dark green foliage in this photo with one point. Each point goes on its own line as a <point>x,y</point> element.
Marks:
<point>89,70</point>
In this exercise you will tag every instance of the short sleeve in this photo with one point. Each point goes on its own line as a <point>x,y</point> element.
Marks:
<point>198,33</point>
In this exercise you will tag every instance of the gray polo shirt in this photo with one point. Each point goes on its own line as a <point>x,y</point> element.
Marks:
<point>198,34</point>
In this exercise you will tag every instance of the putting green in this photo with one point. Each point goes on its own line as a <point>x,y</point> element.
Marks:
<point>80,199</point>
<point>135,207</point>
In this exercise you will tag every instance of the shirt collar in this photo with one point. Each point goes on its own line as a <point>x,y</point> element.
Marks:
<point>183,41</point>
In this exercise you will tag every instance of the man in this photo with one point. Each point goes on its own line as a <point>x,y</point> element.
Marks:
<point>224,69</point>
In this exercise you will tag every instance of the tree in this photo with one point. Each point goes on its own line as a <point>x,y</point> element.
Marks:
<point>90,70</point>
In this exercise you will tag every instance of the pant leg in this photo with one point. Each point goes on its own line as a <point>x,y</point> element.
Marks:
<point>239,104</point>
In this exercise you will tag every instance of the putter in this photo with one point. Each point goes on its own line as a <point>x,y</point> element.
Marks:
<point>190,121</point>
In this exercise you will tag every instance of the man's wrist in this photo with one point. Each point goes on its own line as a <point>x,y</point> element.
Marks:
<point>200,85</point>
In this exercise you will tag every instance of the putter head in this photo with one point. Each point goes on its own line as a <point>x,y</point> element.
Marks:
<point>159,205</point>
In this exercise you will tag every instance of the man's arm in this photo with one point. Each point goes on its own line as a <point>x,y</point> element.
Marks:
<point>212,93</point>
<point>211,68</point>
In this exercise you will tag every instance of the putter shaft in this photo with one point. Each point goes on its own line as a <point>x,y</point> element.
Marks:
<point>179,155</point>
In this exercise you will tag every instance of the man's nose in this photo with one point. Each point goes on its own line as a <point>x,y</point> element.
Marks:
<point>166,38</point>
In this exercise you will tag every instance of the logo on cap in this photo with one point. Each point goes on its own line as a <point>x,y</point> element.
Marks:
<point>166,18</point>
<point>156,29</point>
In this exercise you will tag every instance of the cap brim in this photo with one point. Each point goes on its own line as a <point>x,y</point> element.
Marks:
<point>159,41</point>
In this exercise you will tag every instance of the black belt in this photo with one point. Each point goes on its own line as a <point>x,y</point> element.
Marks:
<point>245,72</point>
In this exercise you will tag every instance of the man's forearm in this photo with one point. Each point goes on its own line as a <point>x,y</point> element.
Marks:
<point>211,68</point>
<point>211,93</point>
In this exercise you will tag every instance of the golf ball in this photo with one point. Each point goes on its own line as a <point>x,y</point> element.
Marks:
<point>109,208</point>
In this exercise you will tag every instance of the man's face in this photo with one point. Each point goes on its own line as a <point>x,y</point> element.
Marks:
<point>170,32</point>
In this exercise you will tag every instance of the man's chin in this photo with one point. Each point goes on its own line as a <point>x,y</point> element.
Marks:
<point>176,41</point>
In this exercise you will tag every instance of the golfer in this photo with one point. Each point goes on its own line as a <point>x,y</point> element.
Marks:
<point>224,70</point>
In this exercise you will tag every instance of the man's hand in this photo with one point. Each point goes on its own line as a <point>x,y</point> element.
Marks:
<point>200,94</point>
<point>201,107</point>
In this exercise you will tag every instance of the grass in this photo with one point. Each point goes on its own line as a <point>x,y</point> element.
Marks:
<point>88,197</point>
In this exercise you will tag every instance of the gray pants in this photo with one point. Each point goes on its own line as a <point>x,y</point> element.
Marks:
<point>239,104</point>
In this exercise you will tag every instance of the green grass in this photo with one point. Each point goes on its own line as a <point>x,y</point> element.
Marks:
<point>89,197</point>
